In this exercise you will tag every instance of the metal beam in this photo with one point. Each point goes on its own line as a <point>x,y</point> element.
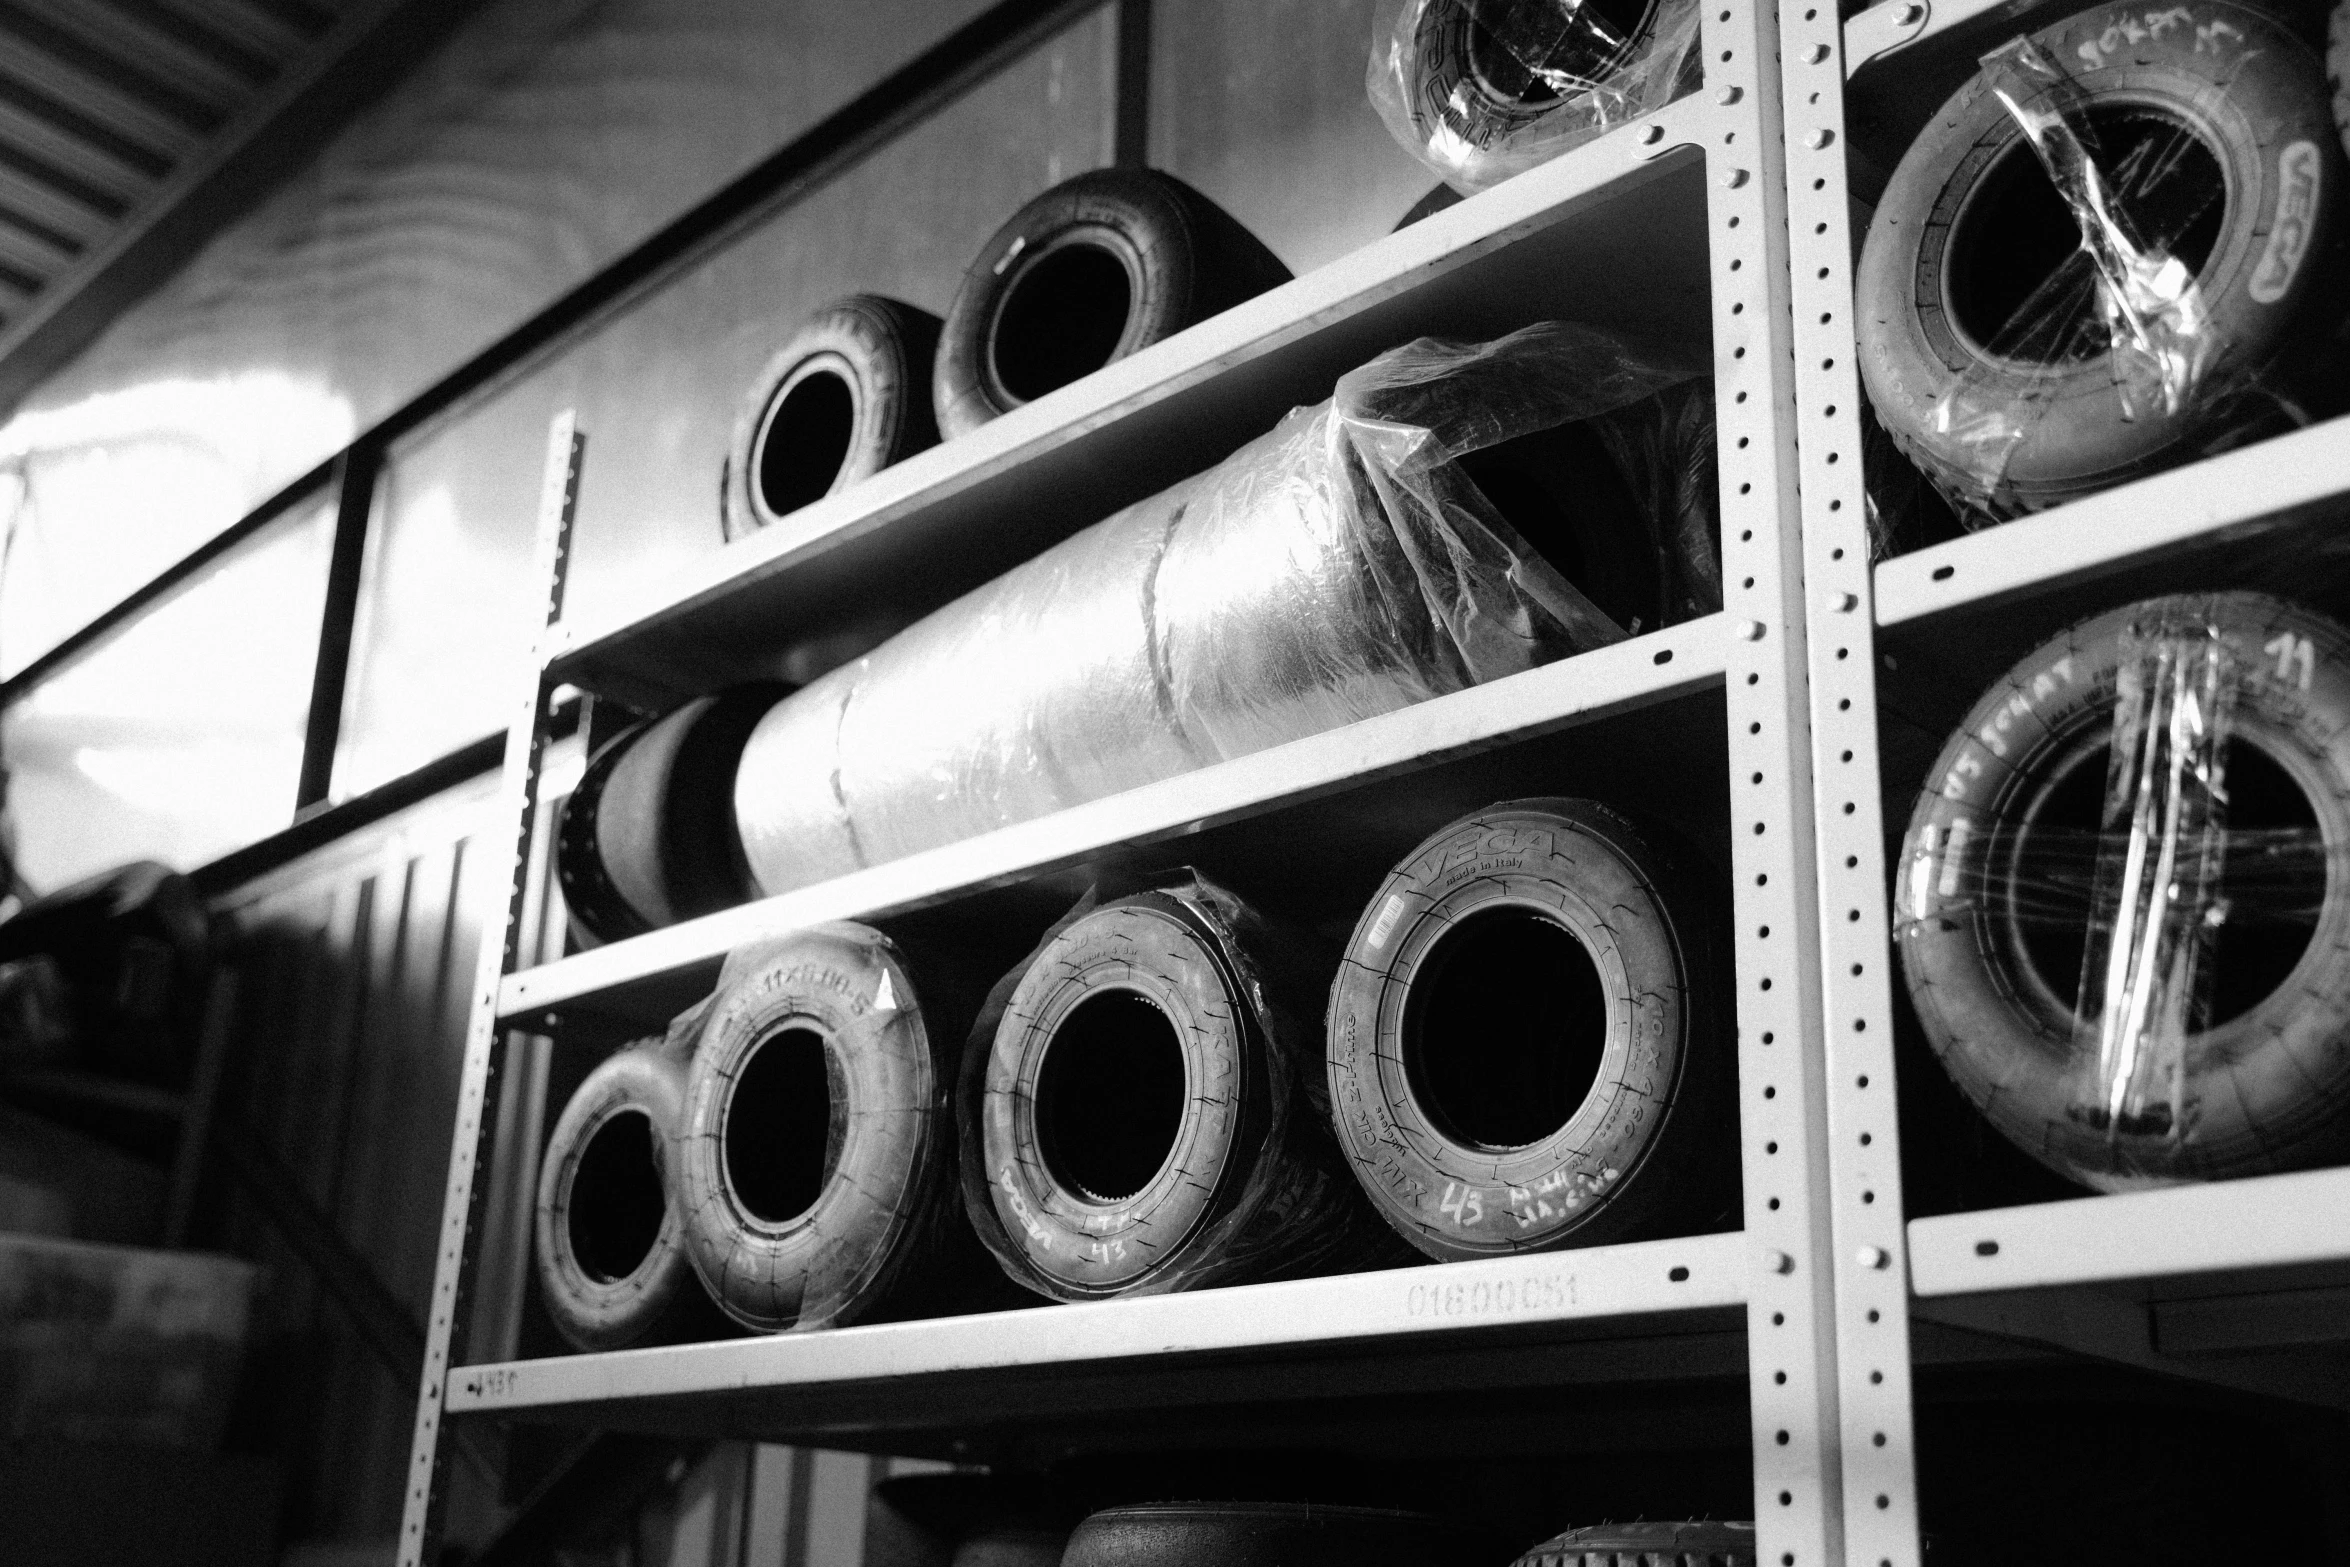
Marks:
<point>373,46</point>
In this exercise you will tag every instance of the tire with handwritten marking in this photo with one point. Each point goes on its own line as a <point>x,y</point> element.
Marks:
<point>611,1254</point>
<point>816,1159</point>
<point>1141,1119</point>
<point>1991,903</point>
<point>1523,1043</point>
<point>1980,336</point>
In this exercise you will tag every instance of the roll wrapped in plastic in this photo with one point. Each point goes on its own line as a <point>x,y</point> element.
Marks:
<point>1338,567</point>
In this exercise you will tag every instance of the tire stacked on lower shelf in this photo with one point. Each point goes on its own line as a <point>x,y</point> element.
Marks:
<point>1520,1053</point>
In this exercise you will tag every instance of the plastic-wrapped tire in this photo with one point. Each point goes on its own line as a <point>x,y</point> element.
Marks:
<point>1272,1534</point>
<point>2267,1084</point>
<point>611,1254</point>
<point>1970,224</point>
<point>1699,1544</point>
<point>648,837</point>
<point>1137,1114</point>
<point>816,1162</point>
<point>1092,270</point>
<point>845,398</point>
<point>1471,1140</point>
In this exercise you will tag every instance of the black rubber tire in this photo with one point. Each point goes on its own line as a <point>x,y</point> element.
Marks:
<point>1659,1544</point>
<point>1472,93</point>
<point>2254,96</point>
<point>1439,197</point>
<point>1272,1534</point>
<point>648,836</point>
<point>847,396</point>
<point>1648,1144</point>
<point>864,1210</point>
<point>611,1254</point>
<point>1040,306</point>
<point>2268,1089</point>
<point>1248,1186</point>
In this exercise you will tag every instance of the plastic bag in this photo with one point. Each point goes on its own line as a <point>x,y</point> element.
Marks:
<point>2125,296</point>
<point>1480,89</point>
<point>1339,567</point>
<point>1298,1211</point>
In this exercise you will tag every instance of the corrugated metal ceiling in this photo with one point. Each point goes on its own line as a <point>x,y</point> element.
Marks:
<point>100,100</point>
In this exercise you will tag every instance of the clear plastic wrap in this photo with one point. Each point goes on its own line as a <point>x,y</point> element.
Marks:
<point>1277,1202</point>
<point>2112,901</point>
<point>1481,89</point>
<point>1338,567</point>
<point>2167,332</point>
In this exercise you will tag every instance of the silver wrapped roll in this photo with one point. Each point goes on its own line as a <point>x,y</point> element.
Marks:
<point>1337,567</point>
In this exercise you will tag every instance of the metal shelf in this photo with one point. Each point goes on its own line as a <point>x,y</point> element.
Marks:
<point>2177,1281</point>
<point>2226,500</point>
<point>1541,701</point>
<point>2229,1227</point>
<point>881,1383</point>
<point>1672,228</point>
<point>1613,233</point>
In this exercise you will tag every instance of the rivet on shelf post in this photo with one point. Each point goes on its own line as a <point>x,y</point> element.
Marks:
<point>1750,631</point>
<point>1816,54</point>
<point>1817,139</point>
<point>1733,178</point>
<point>1910,15</point>
<point>1846,603</point>
<point>1778,1262</point>
<point>1875,1257</point>
<point>1728,96</point>
<point>1651,135</point>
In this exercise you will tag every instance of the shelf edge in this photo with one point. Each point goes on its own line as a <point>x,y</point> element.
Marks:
<point>1561,1286</point>
<point>2263,1222</point>
<point>2106,532</point>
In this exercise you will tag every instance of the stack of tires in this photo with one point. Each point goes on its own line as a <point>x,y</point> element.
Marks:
<point>1516,1050</point>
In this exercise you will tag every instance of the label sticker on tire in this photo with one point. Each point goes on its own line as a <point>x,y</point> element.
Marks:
<point>2296,220</point>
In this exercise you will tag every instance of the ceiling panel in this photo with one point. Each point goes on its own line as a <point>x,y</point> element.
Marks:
<point>100,100</point>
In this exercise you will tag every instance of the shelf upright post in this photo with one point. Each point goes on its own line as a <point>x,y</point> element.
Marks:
<point>1792,1393</point>
<point>1872,1306</point>
<point>484,1039</point>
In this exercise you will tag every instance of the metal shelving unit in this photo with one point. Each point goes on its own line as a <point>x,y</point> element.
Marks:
<point>1672,226</point>
<point>2239,1285</point>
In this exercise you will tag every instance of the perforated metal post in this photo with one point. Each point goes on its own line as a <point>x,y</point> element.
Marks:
<point>1791,1348</point>
<point>1864,1170</point>
<point>484,1040</point>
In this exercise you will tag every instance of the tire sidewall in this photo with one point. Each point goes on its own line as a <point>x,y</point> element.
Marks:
<point>593,1313</point>
<point>1567,861</point>
<point>2255,99</point>
<point>2260,1083</point>
<point>835,1260</point>
<point>863,342</point>
<point>1073,1244</point>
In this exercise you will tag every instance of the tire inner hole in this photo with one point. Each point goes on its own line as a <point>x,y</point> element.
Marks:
<point>2015,233</point>
<point>1062,318</point>
<point>616,1205</point>
<point>1504,1029</point>
<point>1518,50</point>
<point>1109,1096</point>
<point>1563,493</point>
<point>782,1139</point>
<point>805,442</point>
<point>2251,956</point>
